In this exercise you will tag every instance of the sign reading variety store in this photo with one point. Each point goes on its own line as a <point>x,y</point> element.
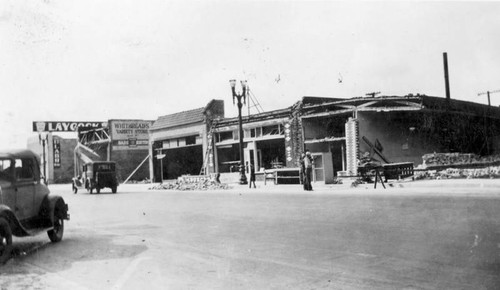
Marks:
<point>70,126</point>
<point>129,134</point>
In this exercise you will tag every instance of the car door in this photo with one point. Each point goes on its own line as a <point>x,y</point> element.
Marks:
<point>7,193</point>
<point>25,188</point>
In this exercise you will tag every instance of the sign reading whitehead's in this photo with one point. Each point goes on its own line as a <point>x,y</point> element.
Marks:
<point>129,134</point>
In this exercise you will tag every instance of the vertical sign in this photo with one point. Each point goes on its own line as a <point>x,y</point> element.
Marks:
<point>57,153</point>
<point>352,146</point>
<point>288,142</point>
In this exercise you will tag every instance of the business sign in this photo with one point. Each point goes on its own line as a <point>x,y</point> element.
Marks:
<point>69,126</point>
<point>57,153</point>
<point>129,134</point>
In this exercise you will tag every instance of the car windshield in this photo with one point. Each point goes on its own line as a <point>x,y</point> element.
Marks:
<point>5,169</point>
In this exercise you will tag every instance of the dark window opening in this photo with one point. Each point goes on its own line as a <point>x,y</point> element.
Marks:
<point>191,140</point>
<point>223,136</point>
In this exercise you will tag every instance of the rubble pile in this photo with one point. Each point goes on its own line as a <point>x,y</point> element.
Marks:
<point>458,159</point>
<point>191,184</point>
<point>487,172</point>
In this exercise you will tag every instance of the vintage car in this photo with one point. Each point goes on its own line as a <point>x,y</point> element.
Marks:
<point>26,206</point>
<point>97,175</point>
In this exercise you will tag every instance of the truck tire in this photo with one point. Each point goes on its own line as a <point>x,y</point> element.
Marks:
<point>56,234</point>
<point>5,240</point>
<point>113,189</point>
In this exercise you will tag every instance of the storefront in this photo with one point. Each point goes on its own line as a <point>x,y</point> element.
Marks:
<point>180,143</point>
<point>267,142</point>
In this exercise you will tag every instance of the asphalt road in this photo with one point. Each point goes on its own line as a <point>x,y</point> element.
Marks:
<point>275,237</point>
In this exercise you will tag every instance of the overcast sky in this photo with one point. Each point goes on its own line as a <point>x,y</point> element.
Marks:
<point>89,60</point>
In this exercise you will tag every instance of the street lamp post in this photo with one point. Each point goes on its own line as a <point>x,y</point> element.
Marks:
<point>243,178</point>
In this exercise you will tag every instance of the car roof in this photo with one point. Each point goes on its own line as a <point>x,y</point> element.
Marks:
<point>17,153</point>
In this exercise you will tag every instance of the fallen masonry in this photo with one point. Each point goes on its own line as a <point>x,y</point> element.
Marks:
<point>487,172</point>
<point>189,182</point>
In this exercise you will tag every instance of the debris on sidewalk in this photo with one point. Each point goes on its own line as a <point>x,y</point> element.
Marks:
<point>459,159</point>
<point>189,182</point>
<point>458,165</point>
<point>468,173</point>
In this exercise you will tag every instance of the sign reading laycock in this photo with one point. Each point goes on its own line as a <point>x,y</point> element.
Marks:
<point>65,126</point>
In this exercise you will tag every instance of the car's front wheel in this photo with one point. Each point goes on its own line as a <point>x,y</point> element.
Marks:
<point>5,240</point>
<point>56,233</point>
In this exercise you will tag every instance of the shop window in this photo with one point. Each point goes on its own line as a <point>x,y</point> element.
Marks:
<point>224,136</point>
<point>256,132</point>
<point>191,140</point>
<point>272,130</point>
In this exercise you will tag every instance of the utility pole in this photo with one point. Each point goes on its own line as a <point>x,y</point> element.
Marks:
<point>487,124</point>
<point>488,93</point>
<point>373,94</point>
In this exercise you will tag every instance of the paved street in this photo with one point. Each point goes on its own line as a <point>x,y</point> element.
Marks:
<point>440,235</point>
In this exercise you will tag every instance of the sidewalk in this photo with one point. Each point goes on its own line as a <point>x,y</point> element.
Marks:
<point>319,187</point>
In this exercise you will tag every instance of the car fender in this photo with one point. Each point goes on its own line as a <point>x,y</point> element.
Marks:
<point>15,226</point>
<point>52,205</point>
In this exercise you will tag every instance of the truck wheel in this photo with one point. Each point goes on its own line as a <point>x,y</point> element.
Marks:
<point>98,190</point>
<point>113,189</point>
<point>56,234</point>
<point>5,240</point>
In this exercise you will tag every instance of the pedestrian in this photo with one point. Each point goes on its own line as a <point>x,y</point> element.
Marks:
<point>308,164</point>
<point>302,171</point>
<point>252,176</point>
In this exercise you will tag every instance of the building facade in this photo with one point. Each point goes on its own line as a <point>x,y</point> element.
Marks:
<point>180,143</point>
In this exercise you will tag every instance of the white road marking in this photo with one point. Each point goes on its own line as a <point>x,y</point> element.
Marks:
<point>128,272</point>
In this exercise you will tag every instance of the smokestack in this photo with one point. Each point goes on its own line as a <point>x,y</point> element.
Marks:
<point>446,78</point>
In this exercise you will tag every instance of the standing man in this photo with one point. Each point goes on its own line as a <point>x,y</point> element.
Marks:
<point>252,176</point>
<point>308,164</point>
<point>302,170</point>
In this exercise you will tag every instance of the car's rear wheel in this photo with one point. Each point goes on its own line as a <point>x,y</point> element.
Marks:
<point>5,240</point>
<point>113,189</point>
<point>56,233</point>
<point>98,190</point>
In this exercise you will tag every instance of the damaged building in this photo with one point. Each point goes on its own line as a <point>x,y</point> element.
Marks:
<point>395,129</point>
<point>268,141</point>
<point>338,132</point>
<point>180,142</point>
